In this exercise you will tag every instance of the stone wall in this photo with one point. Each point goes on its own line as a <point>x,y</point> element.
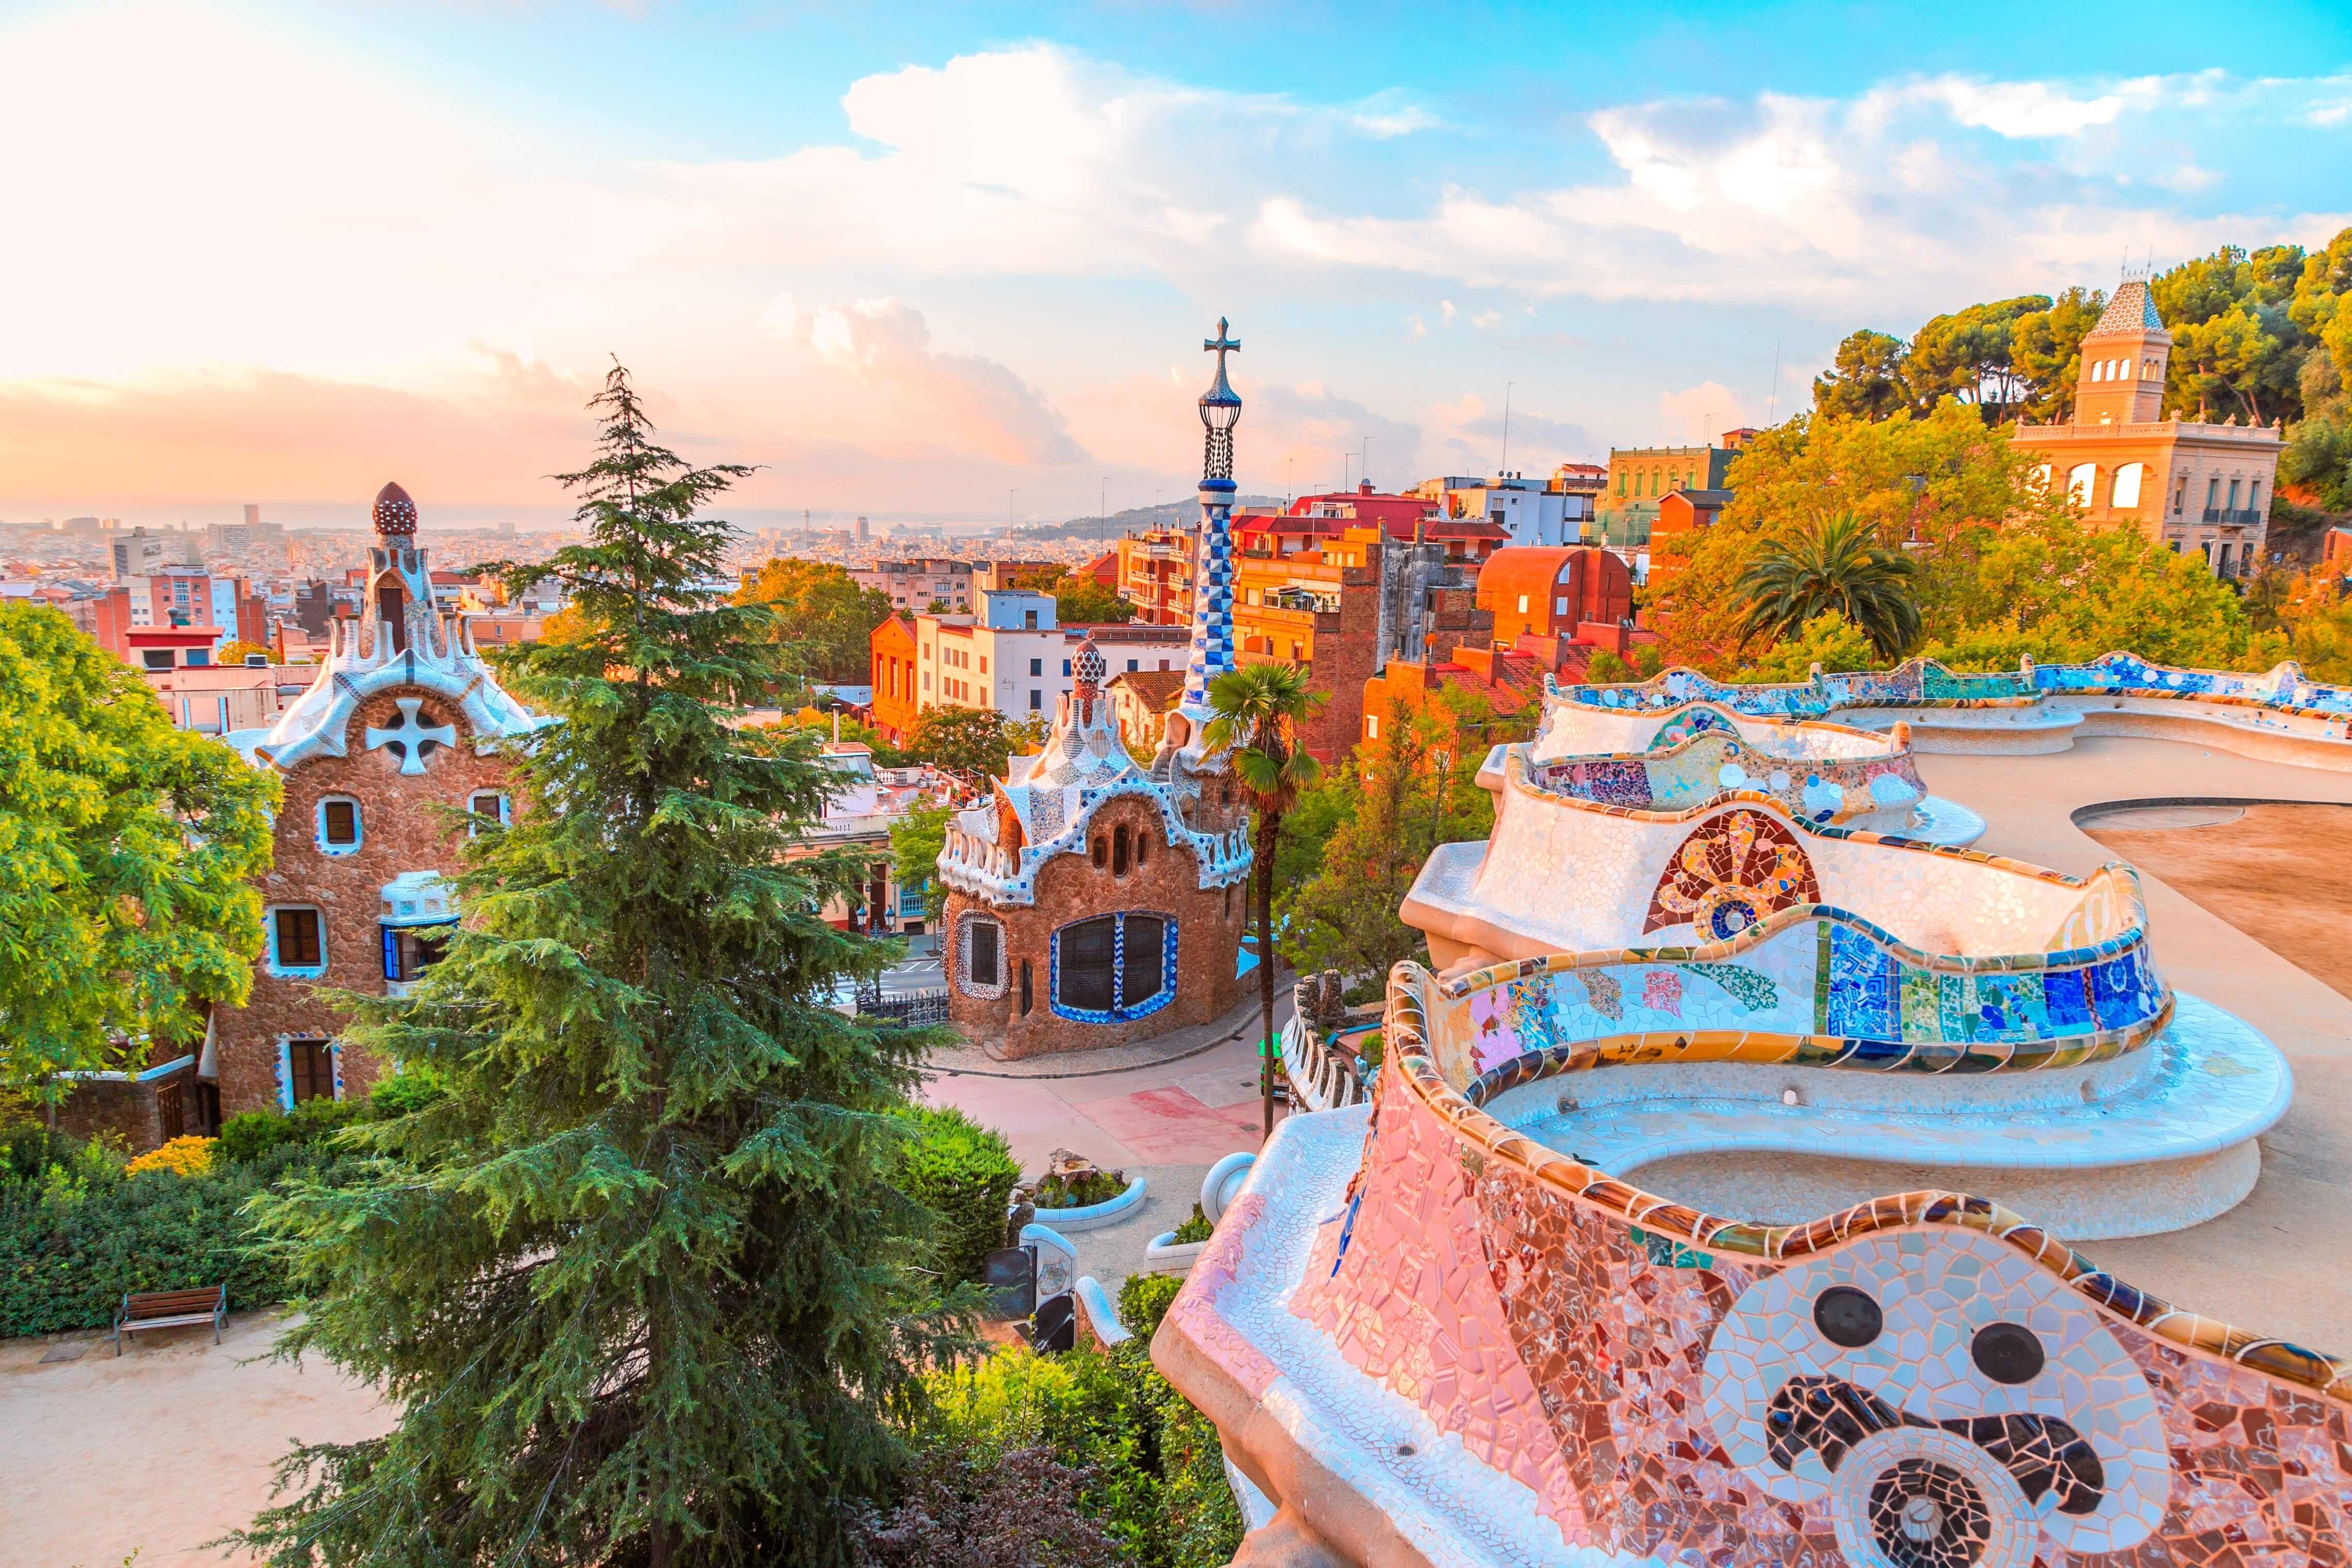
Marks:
<point>400,831</point>
<point>1071,888</point>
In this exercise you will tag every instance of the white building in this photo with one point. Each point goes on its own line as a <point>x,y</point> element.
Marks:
<point>1536,511</point>
<point>1015,655</point>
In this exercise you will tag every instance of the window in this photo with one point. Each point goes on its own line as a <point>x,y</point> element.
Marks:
<point>1118,850</point>
<point>2254,496</point>
<point>410,950</point>
<point>1029,619</point>
<point>1036,700</point>
<point>309,1070</point>
<point>298,943</point>
<point>2234,495</point>
<point>156,658</point>
<point>1036,666</point>
<point>1133,666</point>
<point>1028,998</point>
<point>2080,481</point>
<point>199,657</point>
<point>1371,726</point>
<point>1065,667</point>
<point>983,956</point>
<point>338,824</point>
<point>2212,494</point>
<point>1163,663</point>
<point>984,664</point>
<point>2125,496</point>
<point>1143,848</point>
<point>1101,850</point>
<point>1113,968</point>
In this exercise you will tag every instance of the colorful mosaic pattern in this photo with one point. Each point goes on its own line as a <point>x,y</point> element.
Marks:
<point>1212,596</point>
<point>1701,767</point>
<point>1730,874</point>
<point>1926,682</point>
<point>1927,1380</point>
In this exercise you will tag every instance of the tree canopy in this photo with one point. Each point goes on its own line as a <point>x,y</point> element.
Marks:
<point>641,1282</point>
<point>130,852</point>
<point>974,743</point>
<point>823,614</point>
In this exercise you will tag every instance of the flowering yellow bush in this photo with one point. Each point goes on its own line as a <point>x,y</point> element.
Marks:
<point>181,1156</point>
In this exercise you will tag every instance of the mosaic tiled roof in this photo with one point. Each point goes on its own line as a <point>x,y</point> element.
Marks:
<point>2132,309</point>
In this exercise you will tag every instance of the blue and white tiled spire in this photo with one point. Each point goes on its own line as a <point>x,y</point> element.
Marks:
<point>1213,549</point>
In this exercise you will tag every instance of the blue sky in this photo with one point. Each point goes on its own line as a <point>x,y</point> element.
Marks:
<point>912,258</point>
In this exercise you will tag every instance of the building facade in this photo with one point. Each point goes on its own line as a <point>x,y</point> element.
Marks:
<point>1093,902</point>
<point>1641,476</point>
<point>1016,656</point>
<point>891,671</point>
<point>2126,462</point>
<point>917,585</point>
<point>401,718</point>
<point>1154,573</point>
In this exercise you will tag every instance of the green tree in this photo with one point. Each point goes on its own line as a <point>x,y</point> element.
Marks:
<point>1080,600</point>
<point>641,1282</point>
<point>1968,355</point>
<point>1829,640</point>
<point>915,840</point>
<point>974,743</point>
<point>1833,565</point>
<point>1254,715</point>
<point>2046,346</point>
<point>1868,381</point>
<point>1412,787</point>
<point>128,855</point>
<point>822,614</point>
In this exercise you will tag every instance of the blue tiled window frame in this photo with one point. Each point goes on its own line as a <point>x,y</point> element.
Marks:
<point>1116,1013</point>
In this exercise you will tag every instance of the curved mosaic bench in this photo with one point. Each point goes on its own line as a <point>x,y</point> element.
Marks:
<point>1434,1339</point>
<point>1828,774</point>
<point>1798,1052</point>
<point>2278,714</point>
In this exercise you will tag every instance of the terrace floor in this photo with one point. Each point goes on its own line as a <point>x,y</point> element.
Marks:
<point>2217,898</point>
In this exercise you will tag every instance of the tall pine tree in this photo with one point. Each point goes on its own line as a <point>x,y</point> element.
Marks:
<point>640,1281</point>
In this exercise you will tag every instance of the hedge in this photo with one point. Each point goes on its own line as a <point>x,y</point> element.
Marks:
<point>67,1258</point>
<point>963,1173</point>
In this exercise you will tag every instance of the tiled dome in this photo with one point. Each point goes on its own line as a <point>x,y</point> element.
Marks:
<point>396,514</point>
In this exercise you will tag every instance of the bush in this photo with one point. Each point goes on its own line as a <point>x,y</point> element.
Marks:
<point>1198,1227</point>
<point>1156,1474</point>
<point>1015,1509</point>
<point>188,1156</point>
<point>250,1134</point>
<point>963,1173</point>
<point>1145,1299</point>
<point>68,1250</point>
<point>1082,1190</point>
<point>401,1094</point>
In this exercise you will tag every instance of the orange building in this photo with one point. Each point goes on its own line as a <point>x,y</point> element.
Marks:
<point>892,645</point>
<point>2193,485</point>
<point>1153,572</point>
<point>1680,513</point>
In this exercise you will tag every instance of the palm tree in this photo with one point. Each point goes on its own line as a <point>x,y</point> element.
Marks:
<point>1834,564</point>
<point>1256,711</point>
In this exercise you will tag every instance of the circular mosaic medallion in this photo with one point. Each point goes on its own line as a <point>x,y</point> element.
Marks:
<point>1917,1498</point>
<point>1726,912</point>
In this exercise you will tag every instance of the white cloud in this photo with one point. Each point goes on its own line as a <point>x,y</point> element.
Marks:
<point>1446,307</point>
<point>2027,108</point>
<point>1486,320</point>
<point>1415,328</point>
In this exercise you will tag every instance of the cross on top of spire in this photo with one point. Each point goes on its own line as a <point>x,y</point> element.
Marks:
<point>1221,345</point>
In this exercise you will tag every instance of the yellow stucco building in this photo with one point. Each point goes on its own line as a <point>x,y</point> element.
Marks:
<point>2193,485</point>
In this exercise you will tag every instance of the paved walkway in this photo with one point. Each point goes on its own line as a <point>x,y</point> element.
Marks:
<point>2275,1263</point>
<point>160,1450</point>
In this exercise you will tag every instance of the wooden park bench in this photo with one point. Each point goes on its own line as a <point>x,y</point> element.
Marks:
<point>171,1309</point>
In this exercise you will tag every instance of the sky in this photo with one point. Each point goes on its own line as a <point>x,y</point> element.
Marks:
<point>955,261</point>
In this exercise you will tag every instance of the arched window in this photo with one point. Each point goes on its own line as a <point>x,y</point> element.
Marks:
<point>1118,850</point>
<point>1101,851</point>
<point>1113,968</point>
<point>1028,998</point>
<point>2080,481</point>
<point>1143,848</point>
<point>2128,482</point>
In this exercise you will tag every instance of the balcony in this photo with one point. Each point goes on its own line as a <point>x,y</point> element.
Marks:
<point>2241,516</point>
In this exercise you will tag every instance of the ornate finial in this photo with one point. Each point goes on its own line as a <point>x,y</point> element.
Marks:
<point>1221,407</point>
<point>396,514</point>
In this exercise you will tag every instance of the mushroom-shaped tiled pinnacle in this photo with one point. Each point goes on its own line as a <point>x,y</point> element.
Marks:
<point>396,514</point>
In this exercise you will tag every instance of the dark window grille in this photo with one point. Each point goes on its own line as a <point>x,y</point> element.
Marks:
<point>983,965</point>
<point>1142,972</point>
<point>299,945</point>
<point>340,821</point>
<point>310,1070</point>
<point>1089,975</point>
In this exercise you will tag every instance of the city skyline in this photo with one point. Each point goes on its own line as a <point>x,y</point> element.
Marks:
<point>949,268</point>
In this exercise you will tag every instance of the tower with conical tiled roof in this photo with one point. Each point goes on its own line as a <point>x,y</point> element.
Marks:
<point>2124,360</point>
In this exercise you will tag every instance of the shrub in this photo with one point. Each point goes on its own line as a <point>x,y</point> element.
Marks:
<point>963,1173</point>
<point>313,1123</point>
<point>69,1252</point>
<point>1015,1510</point>
<point>1198,1227</point>
<point>401,1094</point>
<point>1154,1472</point>
<point>1145,1299</point>
<point>1082,1190</point>
<point>188,1156</point>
